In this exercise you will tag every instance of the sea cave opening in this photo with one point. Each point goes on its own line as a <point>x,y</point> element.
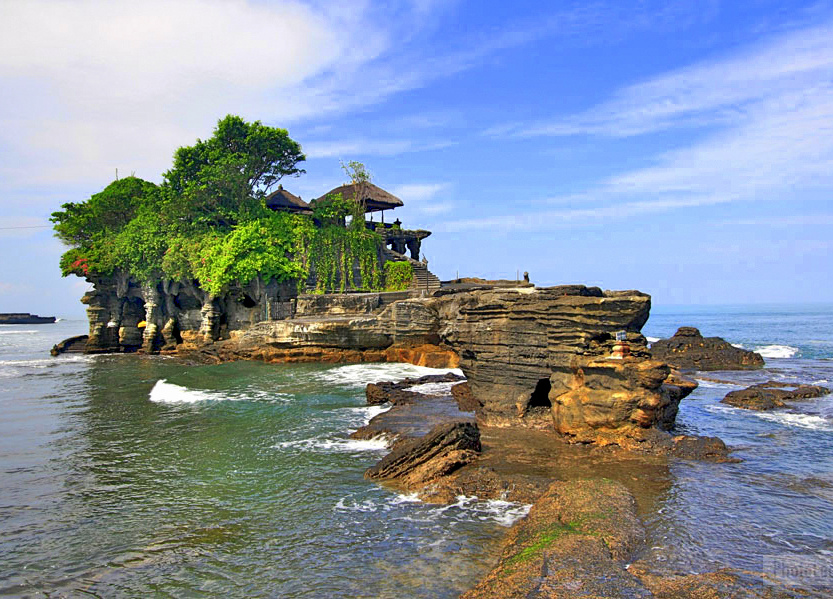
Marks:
<point>540,398</point>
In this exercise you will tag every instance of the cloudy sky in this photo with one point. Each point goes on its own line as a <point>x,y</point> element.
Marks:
<point>681,148</point>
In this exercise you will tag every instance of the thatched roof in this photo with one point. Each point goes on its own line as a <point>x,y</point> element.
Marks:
<point>281,199</point>
<point>375,198</point>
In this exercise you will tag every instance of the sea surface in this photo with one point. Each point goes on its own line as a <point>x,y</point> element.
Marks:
<point>128,476</point>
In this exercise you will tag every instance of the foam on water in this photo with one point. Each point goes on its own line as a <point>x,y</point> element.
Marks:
<point>169,393</point>
<point>359,375</point>
<point>652,339</point>
<point>791,419</point>
<point>410,508</point>
<point>435,389</point>
<point>45,362</point>
<point>377,444</point>
<point>17,332</point>
<point>777,351</point>
<point>165,392</point>
<point>809,421</point>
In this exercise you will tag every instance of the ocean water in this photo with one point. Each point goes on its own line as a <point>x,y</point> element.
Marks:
<point>126,476</point>
<point>130,476</point>
<point>777,503</point>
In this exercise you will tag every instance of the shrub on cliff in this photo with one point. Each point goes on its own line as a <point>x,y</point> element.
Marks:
<point>208,222</point>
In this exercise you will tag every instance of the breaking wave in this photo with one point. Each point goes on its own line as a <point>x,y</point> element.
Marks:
<point>436,389</point>
<point>379,443</point>
<point>168,393</point>
<point>359,375</point>
<point>778,351</point>
<point>809,421</point>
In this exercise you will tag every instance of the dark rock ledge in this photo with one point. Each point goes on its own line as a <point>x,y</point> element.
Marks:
<point>772,395</point>
<point>689,350</point>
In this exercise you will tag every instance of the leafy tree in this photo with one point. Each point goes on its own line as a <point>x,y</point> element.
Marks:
<point>220,181</point>
<point>105,213</point>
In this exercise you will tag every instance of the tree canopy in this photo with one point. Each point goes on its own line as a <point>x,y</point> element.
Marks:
<point>208,222</point>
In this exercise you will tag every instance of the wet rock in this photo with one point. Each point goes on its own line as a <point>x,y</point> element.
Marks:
<point>398,392</point>
<point>73,345</point>
<point>772,395</point>
<point>721,584</point>
<point>420,461</point>
<point>689,350</point>
<point>486,483</point>
<point>574,543</point>
<point>465,399</point>
<point>657,442</point>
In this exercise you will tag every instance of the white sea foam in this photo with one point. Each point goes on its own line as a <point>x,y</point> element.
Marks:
<point>504,513</point>
<point>315,445</point>
<point>436,389</point>
<point>777,351</point>
<point>165,392</point>
<point>359,375</point>
<point>652,339</point>
<point>809,421</point>
<point>18,332</point>
<point>738,345</point>
<point>45,362</point>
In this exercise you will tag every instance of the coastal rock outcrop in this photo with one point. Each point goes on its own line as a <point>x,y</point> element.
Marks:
<point>574,543</point>
<point>418,462</point>
<point>689,350</point>
<point>772,395</point>
<point>400,393</point>
<point>511,340</point>
<point>73,345</point>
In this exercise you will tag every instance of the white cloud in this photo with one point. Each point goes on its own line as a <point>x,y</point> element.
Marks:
<point>369,147</point>
<point>421,197</point>
<point>772,111</point>
<point>92,85</point>
<point>709,93</point>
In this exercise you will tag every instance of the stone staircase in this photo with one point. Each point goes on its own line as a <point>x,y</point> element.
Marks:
<point>424,279</point>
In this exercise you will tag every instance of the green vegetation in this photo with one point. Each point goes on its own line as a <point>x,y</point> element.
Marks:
<point>398,275</point>
<point>208,222</point>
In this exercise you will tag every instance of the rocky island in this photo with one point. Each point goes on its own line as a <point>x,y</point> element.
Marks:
<point>559,386</point>
<point>25,318</point>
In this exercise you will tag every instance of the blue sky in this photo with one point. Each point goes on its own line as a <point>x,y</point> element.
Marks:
<point>681,148</point>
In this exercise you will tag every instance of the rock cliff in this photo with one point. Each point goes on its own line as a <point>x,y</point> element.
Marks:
<point>532,357</point>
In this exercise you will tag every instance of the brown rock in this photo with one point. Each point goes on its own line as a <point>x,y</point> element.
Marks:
<point>689,350</point>
<point>599,394</point>
<point>510,340</point>
<point>465,399</point>
<point>418,462</point>
<point>772,395</point>
<point>573,543</point>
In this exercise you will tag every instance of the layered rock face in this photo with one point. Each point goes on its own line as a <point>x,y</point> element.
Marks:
<point>532,356</point>
<point>511,340</point>
<point>689,350</point>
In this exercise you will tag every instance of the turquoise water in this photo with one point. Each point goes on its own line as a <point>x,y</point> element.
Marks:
<point>126,476</point>
<point>234,480</point>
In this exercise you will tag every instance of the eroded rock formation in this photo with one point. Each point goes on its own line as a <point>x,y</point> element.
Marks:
<point>689,350</point>
<point>772,395</point>
<point>511,340</point>
<point>420,461</point>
